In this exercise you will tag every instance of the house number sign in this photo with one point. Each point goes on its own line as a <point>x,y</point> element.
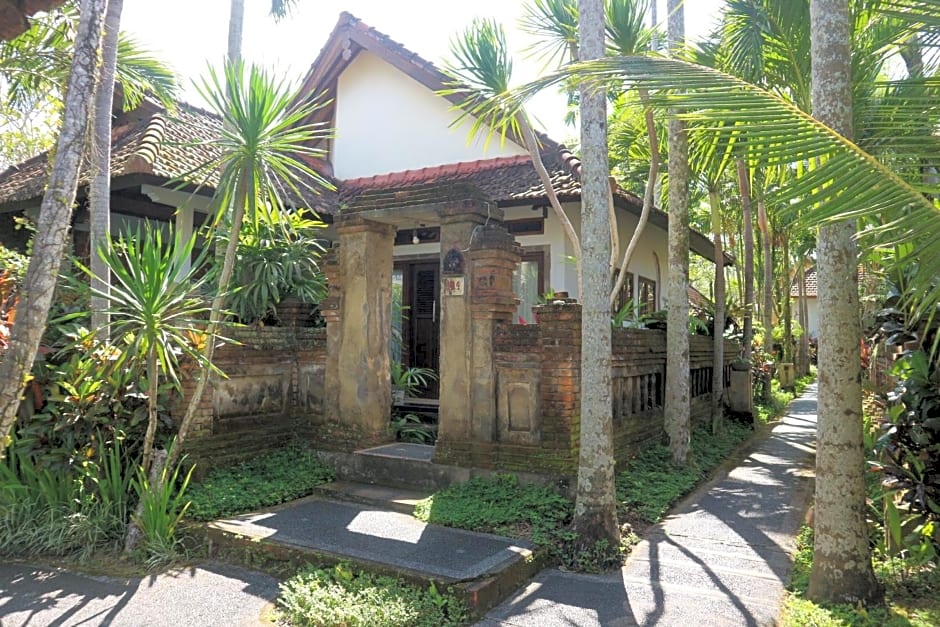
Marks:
<point>453,285</point>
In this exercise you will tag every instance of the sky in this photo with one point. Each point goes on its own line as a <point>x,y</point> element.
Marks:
<point>191,34</point>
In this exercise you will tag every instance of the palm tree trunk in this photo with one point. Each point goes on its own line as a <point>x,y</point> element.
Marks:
<point>786,302</point>
<point>532,145</point>
<point>767,304</point>
<point>677,408</point>
<point>718,359</point>
<point>648,197</point>
<point>55,215</point>
<point>842,570</point>
<point>236,23</point>
<point>595,516</point>
<point>99,190</point>
<point>153,389</point>
<point>748,228</point>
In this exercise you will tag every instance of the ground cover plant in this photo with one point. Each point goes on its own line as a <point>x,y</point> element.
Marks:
<point>341,596</point>
<point>268,479</point>
<point>910,592</point>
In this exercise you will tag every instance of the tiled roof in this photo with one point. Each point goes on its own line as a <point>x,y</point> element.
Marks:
<point>811,281</point>
<point>14,14</point>
<point>147,141</point>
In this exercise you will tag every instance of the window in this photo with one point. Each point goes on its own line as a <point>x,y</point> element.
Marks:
<point>528,283</point>
<point>626,291</point>
<point>646,289</point>
<point>528,226</point>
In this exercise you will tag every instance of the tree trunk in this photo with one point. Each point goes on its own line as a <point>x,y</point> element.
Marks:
<point>767,305</point>
<point>786,302</point>
<point>677,408</point>
<point>648,198</point>
<point>595,516</point>
<point>718,360</point>
<point>55,214</point>
<point>236,22</point>
<point>99,190</point>
<point>803,318</point>
<point>748,228</point>
<point>842,570</point>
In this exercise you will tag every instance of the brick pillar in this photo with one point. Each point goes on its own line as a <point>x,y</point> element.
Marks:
<point>493,260</point>
<point>461,223</point>
<point>560,327</point>
<point>358,315</point>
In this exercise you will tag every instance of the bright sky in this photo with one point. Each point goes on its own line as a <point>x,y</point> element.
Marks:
<point>190,34</point>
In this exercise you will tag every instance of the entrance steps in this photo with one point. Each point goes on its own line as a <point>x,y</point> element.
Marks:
<point>371,527</point>
<point>397,465</point>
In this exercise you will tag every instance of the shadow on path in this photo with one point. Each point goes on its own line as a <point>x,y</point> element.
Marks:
<point>721,557</point>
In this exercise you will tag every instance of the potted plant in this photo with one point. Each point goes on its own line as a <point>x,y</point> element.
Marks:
<point>277,270</point>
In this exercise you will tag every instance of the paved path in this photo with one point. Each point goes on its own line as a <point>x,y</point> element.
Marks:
<point>721,558</point>
<point>210,594</point>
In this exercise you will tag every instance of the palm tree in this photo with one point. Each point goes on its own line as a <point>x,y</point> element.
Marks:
<point>676,407</point>
<point>842,570</point>
<point>265,142</point>
<point>595,517</point>
<point>54,216</point>
<point>99,189</point>
<point>482,71</point>
<point>236,22</point>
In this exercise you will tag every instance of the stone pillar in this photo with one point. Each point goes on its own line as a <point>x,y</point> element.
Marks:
<point>462,222</point>
<point>358,315</point>
<point>560,325</point>
<point>493,259</point>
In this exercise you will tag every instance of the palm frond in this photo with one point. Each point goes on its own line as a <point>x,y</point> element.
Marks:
<point>555,26</point>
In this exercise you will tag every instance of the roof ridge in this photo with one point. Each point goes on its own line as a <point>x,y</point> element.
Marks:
<point>434,171</point>
<point>141,161</point>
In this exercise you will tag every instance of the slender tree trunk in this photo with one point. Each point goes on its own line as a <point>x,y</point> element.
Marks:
<point>718,361</point>
<point>236,22</point>
<point>648,197</point>
<point>99,191</point>
<point>677,408</point>
<point>532,145</point>
<point>55,214</point>
<point>786,302</point>
<point>803,354</point>
<point>842,570</point>
<point>767,305</point>
<point>153,389</point>
<point>595,516</point>
<point>748,228</point>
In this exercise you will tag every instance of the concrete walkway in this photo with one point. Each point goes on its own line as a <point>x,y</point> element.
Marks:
<point>721,558</point>
<point>209,594</point>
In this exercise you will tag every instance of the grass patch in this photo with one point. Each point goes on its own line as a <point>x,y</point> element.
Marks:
<point>499,504</point>
<point>910,594</point>
<point>650,484</point>
<point>340,596</point>
<point>269,479</point>
<point>779,399</point>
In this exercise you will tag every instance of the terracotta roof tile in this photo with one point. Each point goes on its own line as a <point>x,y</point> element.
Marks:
<point>149,140</point>
<point>812,284</point>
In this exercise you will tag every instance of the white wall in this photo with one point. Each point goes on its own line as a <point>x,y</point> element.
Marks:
<point>388,122</point>
<point>812,311</point>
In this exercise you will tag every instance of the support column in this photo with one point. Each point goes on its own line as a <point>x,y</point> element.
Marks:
<point>358,314</point>
<point>478,257</point>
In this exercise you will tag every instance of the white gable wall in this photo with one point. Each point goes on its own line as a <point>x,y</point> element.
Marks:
<point>388,122</point>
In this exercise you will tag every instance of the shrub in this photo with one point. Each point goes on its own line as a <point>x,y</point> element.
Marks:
<point>339,596</point>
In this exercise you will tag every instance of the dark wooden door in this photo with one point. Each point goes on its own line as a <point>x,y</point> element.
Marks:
<point>424,318</point>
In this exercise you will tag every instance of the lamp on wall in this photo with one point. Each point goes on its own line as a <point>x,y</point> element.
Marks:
<point>414,237</point>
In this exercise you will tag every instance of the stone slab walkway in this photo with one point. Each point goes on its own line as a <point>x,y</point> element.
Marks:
<point>721,557</point>
<point>207,594</point>
<point>369,534</point>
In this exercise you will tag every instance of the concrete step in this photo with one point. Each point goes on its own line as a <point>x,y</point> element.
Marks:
<point>400,500</point>
<point>399,465</point>
<point>482,569</point>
